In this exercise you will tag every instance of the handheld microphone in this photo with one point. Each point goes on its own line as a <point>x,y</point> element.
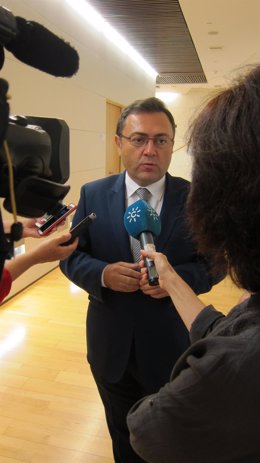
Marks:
<point>143,223</point>
<point>36,46</point>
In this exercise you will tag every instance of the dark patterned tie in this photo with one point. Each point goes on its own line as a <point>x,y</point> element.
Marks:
<point>144,194</point>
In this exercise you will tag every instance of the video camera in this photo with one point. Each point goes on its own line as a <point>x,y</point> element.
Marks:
<point>39,149</point>
<point>34,151</point>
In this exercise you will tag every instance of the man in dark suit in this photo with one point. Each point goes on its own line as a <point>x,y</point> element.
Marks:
<point>134,333</point>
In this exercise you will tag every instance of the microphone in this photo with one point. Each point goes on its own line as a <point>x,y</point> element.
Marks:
<point>36,46</point>
<point>143,223</point>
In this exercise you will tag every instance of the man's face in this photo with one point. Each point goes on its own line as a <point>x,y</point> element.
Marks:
<point>148,163</point>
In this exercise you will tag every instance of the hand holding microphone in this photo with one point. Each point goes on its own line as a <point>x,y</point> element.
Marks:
<point>143,223</point>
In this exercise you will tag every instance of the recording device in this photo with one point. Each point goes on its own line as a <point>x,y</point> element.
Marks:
<point>39,150</point>
<point>79,228</point>
<point>53,221</point>
<point>34,158</point>
<point>143,223</point>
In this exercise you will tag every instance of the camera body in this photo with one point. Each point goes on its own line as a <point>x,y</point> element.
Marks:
<point>39,150</point>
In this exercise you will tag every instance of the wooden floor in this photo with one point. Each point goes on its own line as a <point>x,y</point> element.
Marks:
<point>50,411</point>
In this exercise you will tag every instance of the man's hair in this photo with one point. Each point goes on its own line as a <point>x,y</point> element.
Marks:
<point>224,201</point>
<point>149,105</point>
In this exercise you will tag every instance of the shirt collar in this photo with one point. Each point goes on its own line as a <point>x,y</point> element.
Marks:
<point>156,189</point>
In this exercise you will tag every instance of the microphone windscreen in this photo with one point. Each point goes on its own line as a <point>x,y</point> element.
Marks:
<point>40,48</point>
<point>141,217</point>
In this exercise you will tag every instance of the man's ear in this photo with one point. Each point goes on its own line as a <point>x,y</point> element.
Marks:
<point>118,142</point>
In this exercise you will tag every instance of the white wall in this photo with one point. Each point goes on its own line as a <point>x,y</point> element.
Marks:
<point>105,73</point>
<point>184,108</point>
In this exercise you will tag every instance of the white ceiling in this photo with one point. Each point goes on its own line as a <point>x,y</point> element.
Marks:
<point>233,25</point>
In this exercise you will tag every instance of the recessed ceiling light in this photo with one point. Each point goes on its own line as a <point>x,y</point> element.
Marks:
<point>167,97</point>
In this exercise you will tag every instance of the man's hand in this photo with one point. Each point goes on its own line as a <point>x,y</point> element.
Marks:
<point>122,276</point>
<point>154,291</point>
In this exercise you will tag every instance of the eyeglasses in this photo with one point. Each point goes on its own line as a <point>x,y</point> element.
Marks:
<point>160,141</point>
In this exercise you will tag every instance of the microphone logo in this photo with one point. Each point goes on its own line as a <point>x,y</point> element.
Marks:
<point>134,213</point>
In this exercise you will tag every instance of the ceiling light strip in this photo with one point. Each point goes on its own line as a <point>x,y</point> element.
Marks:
<point>86,11</point>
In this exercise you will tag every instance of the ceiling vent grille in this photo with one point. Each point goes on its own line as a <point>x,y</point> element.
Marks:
<point>158,31</point>
<point>181,78</point>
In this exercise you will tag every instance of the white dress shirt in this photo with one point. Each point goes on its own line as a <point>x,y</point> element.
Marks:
<point>156,189</point>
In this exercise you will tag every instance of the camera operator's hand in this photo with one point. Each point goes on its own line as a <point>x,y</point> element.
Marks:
<point>51,250</point>
<point>31,230</point>
<point>29,227</point>
<point>46,251</point>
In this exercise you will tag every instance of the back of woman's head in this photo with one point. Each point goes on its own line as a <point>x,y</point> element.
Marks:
<point>224,201</point>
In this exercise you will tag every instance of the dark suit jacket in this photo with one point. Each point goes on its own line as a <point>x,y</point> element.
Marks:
<point>116,320</point>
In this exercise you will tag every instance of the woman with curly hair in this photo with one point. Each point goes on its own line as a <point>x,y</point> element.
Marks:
<point>209,411</point>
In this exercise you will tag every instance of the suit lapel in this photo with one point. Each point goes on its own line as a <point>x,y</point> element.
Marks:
<point>116,201</point>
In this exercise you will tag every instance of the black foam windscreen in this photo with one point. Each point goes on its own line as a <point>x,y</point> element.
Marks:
<point>38,47</point>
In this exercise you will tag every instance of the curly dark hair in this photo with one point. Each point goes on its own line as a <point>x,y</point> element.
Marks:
<point>149,105</point>
<point>224,202</point>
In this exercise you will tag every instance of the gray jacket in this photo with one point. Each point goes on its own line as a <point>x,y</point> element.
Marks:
<point>209,412</point>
